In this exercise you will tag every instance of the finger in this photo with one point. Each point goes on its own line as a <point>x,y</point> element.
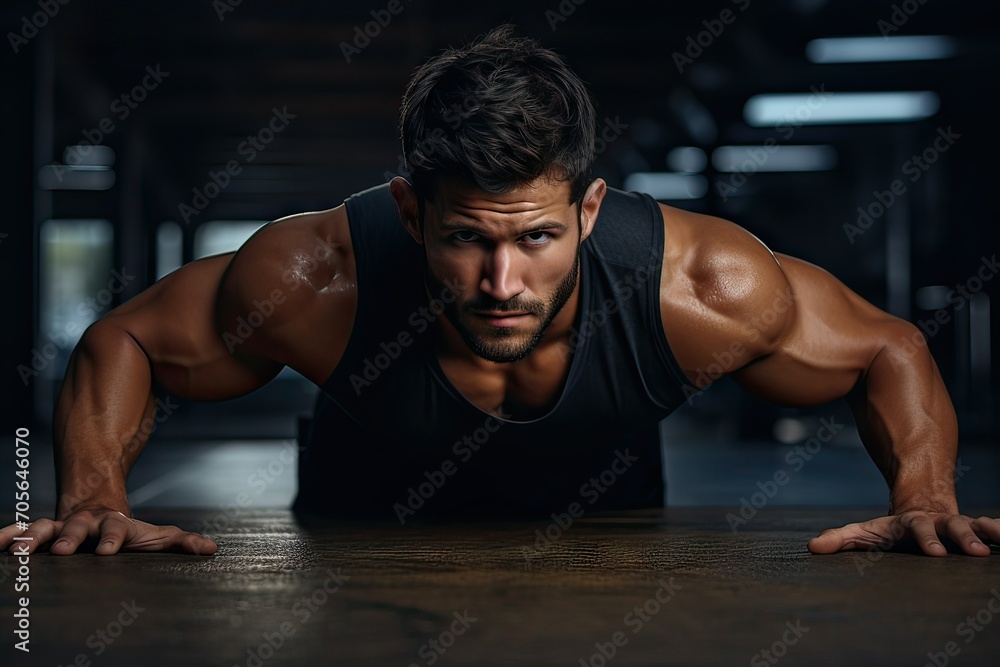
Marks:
<point>925,533</point>
<point>828,542</point>
<point>987,528</point>
<point>170,538</point>
<point>188,543</point>
<point>877,533</point>
<point>197,545</point>
<point>74,532</point>
<point>36,536</point>
<point>960,531</point>
<point>7,535</point>
<point>114,532</point>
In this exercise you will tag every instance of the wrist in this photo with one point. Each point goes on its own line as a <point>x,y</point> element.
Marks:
<point>93,505</point>
<point>929,489</point>
<point>943,503</point>
<point>91,494</point>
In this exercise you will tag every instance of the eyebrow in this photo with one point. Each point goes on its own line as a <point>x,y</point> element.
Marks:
<point>536,227</point>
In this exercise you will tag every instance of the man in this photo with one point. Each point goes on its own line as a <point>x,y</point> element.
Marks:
<point>497,334</point>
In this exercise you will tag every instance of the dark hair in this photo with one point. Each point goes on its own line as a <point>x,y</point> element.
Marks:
<point>500,113</point>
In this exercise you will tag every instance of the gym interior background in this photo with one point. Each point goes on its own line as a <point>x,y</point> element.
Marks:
<point>142,136</point>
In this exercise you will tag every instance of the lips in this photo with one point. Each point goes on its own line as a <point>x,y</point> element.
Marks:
<point>502,319</point>
<point>498,314</point>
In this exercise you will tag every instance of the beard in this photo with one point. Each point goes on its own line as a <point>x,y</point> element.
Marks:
<point>507,344</point>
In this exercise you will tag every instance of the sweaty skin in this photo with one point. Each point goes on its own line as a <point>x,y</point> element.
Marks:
<point>795,334</point>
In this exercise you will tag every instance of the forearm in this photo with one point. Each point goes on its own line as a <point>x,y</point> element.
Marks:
<point>908,425</point>
<point>104,399</point>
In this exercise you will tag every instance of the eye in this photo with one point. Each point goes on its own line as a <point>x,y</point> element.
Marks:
<point>465,236</point>
<point>537,238</point>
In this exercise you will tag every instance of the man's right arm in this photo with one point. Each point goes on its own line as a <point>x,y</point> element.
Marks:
<point>184,335</point>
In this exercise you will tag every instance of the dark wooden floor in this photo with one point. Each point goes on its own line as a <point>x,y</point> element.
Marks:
<point>284,592</point>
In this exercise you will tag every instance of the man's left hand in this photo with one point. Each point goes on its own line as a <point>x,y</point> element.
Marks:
<point>927,529</point>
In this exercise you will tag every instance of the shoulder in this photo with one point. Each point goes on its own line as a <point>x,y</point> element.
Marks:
<point>306,249</point>
<point>721,290</point>
<point>289,293</point>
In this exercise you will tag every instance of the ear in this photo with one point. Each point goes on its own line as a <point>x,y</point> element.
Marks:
<point>591,206</point>
<point>409,207</point>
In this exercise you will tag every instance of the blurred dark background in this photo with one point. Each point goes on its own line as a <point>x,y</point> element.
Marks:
<point>171,92</point>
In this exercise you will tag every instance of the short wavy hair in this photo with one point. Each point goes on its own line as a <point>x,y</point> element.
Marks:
<point>500,113</point>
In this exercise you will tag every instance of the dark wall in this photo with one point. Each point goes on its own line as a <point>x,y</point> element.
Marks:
<point>16,237</point>
<point>225,68</point>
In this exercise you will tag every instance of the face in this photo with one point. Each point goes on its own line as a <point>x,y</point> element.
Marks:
<point>513,260</point>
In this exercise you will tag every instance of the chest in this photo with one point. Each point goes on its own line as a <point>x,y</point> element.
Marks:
<point>521,391</point>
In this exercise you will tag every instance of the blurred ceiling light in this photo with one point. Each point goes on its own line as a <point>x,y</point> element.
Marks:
<point>794,109</point>
<point>777,158</point>
<point>688,159</point>
<point>880,49</point>
<point>665,185</point>
<point>88,156</point>
<point>61,177</point>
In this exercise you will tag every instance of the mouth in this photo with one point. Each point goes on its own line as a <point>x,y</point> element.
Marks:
<point>502,318</point>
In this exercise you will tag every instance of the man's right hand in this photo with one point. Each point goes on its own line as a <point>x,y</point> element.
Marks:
<point>112,530</point>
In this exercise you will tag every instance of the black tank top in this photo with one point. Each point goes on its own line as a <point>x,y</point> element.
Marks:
<point>392,437</point>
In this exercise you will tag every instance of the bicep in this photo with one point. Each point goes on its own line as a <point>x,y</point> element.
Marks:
<point>173,322</point>
<point>830,338</point>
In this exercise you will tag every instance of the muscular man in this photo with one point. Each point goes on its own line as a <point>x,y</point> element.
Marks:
<point>501,327</point>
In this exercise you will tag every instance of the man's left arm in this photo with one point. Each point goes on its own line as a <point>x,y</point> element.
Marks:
<point>793,334</point>
<point>833,343</point>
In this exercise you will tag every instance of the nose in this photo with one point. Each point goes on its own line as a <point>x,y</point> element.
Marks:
<point>501,278</point>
